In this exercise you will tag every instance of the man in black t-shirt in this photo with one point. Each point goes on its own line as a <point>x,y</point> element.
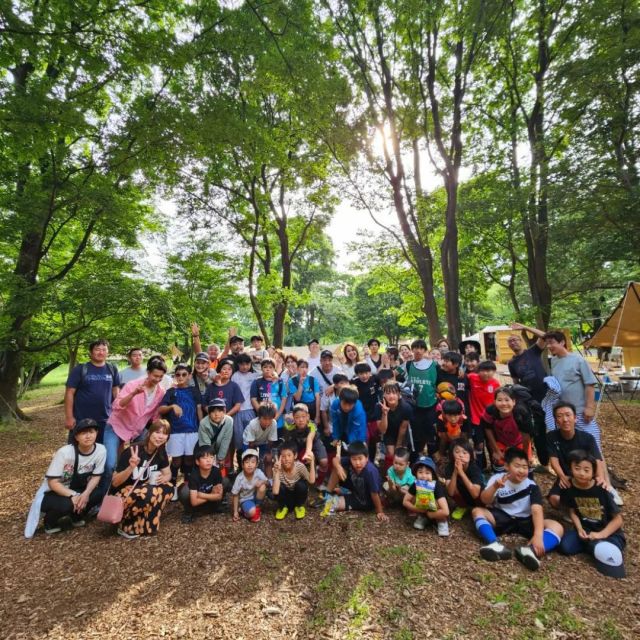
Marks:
<point>561,442</point>
<point>204,491</point>
<point>526,368</point>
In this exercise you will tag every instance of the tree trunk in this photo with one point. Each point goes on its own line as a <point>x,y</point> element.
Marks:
<point>450,267</point>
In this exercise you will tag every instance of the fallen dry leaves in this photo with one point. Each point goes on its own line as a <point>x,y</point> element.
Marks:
<point>347,577</point>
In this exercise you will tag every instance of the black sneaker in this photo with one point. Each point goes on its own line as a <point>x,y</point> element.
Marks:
<point>528,558</point>
<point>495,551</point>
<point>186,518</point>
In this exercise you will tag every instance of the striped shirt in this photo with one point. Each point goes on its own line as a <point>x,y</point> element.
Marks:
<point>516,499</point>
<point>299,472</point>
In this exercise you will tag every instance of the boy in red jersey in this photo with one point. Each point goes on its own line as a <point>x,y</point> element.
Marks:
<point>482,387</point>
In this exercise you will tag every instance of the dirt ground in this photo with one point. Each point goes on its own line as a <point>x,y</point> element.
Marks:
<point>346,577</point>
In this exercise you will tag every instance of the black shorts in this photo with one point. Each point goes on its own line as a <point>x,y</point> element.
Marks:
<point>506,524</point>
<point>351,503</point>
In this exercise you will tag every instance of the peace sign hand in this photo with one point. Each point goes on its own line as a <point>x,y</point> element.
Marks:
<point>134,459</point>
<point>384,407</point>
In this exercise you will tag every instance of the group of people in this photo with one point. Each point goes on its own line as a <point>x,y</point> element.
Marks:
<point>433,432</point>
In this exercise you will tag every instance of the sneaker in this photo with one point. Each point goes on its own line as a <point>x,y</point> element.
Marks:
<point>329,506</point>
<point>495,551</point>
<point>128,536</point>
<point>257,515</point>
<point>174,497</point>
<point>459,513</point>
<point>617,498</point>
<point>300,512</point>
<point>322,488</point>
<point>420,523</point>
<point>187,518</point>
<point>528,558</point>
<point>51,530</point>
<point>93,512</point>
<point>78,523</point>
<point>443,528</point>
<point>281,513</point>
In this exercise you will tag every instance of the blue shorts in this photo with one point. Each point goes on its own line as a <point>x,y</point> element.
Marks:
<point>247,506</point>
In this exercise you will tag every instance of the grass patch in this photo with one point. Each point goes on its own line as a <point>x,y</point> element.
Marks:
<point>357,605</point>
<point>329,595</point>
<point>551,610</point>
<point>610,630</point>
<point>20,432</point>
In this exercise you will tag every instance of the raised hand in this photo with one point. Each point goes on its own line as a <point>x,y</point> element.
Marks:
<point>384,407</point>
<point>134,459</point>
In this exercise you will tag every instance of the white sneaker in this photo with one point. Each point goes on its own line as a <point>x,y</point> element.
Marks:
<point>528,558</point>
<point>617,498</point>
<point>443,528</point>
<point>174,497</point>
<point>128,536</point>
<point>495,551</point>
<point>420,523</point>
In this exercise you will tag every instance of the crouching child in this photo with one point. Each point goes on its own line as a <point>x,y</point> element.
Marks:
<point>514,504</point>
<point>203,493</point>
<point>291,480</point>
<point>399,477</point>
<point>427,497</point>
<point>249,489</point>
<point>356,474</point>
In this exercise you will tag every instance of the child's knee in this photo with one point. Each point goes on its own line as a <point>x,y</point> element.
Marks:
<point>554,526</point>
<point>554,501</point>
<point>478,512</point>
<point>261,491</point>
<point>323,465</point>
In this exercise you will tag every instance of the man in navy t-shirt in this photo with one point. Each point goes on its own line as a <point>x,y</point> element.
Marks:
<point>91,388</point>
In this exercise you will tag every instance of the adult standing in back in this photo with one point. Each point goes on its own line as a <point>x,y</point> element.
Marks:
<point>135,369</point>
<point>526,368</point>
<point>91,389</point>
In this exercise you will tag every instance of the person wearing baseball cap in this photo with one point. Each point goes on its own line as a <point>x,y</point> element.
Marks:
<point>202,373</point>
<point>72,479</point>
<point>216,429</point>
<point>249,488</point>
<point>427,497</point>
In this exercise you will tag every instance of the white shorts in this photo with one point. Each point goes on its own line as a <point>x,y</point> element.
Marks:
<point>181,444</point>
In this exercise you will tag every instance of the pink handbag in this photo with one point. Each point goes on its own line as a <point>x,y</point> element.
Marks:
<point>112,507</point>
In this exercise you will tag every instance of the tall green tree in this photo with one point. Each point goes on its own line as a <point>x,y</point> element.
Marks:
<point>76,104</point>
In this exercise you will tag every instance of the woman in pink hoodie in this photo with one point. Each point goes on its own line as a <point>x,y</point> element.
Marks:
<point>136,405</point>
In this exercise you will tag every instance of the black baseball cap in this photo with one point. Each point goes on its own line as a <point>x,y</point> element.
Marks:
<point>326,354</point>
<point>235,339</point>
<point>85,425</point>
<point>216,403</point>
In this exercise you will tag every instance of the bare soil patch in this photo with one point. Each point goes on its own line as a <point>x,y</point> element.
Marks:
<point>346,577</point>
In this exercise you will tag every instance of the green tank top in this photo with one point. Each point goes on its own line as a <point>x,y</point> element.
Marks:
<point>424,383</point>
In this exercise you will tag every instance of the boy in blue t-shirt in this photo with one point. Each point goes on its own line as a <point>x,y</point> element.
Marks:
<point>181,406</point>
<point>360,477</point>
<point>269,389</point>
<point>305,388</point>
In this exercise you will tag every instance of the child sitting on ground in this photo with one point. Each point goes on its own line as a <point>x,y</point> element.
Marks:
<point>203,493</point>
<point>464,479</point>
<point>291,481</point>
<point>249,488</point>
<point>426,497</point>
<point>262,434</point>
<point>399,477</point>
<point>595,516</point>
<point>515,506</point>
<point>360,477</point>
<point>306,437</point>
<point>506,424</point>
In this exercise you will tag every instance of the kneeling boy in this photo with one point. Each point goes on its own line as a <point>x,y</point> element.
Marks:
<point>357,474</point>
<point>516,507</point>
<point>204,492</point>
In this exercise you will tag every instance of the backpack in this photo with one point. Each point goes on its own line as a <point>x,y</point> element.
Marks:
<point>85,370</point>
<point>408,392</point>
<point>525,401</point>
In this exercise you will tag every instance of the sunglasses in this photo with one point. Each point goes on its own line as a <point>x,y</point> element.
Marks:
<point>182,374</point>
